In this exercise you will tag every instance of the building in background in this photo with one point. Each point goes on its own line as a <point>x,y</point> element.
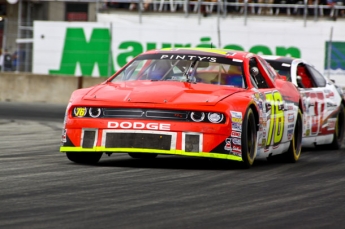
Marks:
<point>17,17</point>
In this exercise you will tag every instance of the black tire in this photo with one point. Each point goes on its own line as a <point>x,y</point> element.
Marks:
<point>84,158</point>
<point>338,135</point>
<point>143,155</point>
<point>295,148</point>
<point>248,139</point>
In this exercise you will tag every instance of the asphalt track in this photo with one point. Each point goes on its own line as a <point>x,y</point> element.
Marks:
<point>40,188</point>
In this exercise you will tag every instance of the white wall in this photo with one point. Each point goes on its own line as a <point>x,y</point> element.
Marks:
<point>268,31</point>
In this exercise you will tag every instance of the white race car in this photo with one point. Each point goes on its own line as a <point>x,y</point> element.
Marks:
<point>324,115</point>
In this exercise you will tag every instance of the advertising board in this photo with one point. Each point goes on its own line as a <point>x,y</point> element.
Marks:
<point>98,49</point>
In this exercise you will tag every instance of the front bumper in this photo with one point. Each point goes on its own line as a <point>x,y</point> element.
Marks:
<point>195,140</point>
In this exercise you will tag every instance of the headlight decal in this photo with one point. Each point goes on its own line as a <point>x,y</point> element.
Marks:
<point>80,111</point>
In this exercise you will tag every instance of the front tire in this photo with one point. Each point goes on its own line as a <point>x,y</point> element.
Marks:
<point>338,135</point>
<point>248,139</point>
<point>143,155</point>
<point>295,148</point>
<point>84,158</point>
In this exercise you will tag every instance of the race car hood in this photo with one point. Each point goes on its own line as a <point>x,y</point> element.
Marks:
<point>160,92</point>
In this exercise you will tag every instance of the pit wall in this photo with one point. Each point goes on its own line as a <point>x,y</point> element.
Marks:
<point>52,89</point>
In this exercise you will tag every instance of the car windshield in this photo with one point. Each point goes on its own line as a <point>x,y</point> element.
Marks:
<point>194,71</point>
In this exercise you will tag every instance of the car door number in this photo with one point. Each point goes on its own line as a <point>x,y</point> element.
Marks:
<point>315,107</point>
<point>275,110</point>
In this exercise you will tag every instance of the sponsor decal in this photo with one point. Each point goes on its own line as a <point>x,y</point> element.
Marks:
<point>236,148</point>
<point>331,106</point>
<point>79,111</point>
<point>307,132</point>
<point>289,134</point>
<point>236,114</point>
<point>228,144</point>
<point>260,105</point>
<point>291,117</point>
<point>235,134</point>
<point>189,57</point>
<point>331,123</point>
<point>236,126</point>
<point>236,141</point>
<point>328,93</point>
<point>236,120</point>
<point>291,126</point>
<point>138,125</point>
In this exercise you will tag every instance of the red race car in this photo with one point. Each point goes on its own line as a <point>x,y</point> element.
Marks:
<point>192,102</point>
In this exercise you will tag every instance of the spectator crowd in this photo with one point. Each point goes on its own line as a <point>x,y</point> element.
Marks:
<point>8,61</point>
<point>331,8</point>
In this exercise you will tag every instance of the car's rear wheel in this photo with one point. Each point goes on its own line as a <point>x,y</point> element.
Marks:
<point>339,129</point>
<point>143,155</point>
<point>295,148</point>
<point>248,141</point>
<point>84,158</point>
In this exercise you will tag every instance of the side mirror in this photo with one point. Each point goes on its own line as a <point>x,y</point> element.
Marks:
<point>333,80</point>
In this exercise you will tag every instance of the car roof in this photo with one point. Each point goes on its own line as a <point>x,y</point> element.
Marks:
<point>279,59</point>
<point>226,53</point>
